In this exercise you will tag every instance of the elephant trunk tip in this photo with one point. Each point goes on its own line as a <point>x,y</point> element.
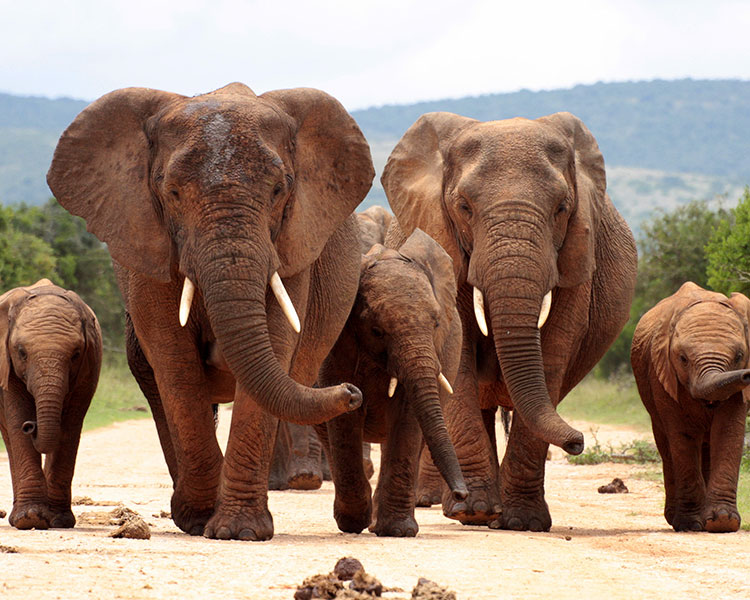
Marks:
<point>574,446</point>
<point>29,427</point>
<point>460,492</point>
<point>746,377</point>
<point>355,397</point>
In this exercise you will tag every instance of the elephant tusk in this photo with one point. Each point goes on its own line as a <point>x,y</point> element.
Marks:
<point>544,311</point>
<point>445,383</point>
<point>479,311</point>
<point>392,387</point>
<point>188,290</point>
<point>286,303</point>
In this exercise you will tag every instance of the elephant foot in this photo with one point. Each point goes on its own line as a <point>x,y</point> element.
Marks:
<point>527,516</point>
<point>429,487</point>
<point>687,522</point>
<point>191,519</point>
<point>426,498</point>
<point>31,516</point>
<point>722,519</point>
<point>395,527</point>
<point>481,507</point>
<point>243,524</point>
<point>352,518</point>
<point>305,480</point>
<point>62,519</point>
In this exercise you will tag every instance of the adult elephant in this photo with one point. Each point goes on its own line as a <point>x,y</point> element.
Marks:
<point>521,207</point>
<point>223,196</point>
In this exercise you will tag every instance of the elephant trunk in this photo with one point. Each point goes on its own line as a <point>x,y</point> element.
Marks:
<point>515,295</point>
<point>234,290</point>
<point>423,391</point>
<point>48,384</point>
<point>715,386</point>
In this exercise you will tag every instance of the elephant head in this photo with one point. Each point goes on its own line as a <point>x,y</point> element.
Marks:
<point>228,192</point>
<point>516,203</point>
<point>699,340</point>
<point>373,225</point>
<point>407,322</point>
<point>49,338</point>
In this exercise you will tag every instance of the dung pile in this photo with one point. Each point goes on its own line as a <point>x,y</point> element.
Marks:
<point>617,486</point>
<point>362,586</point>
<point>129,523</point>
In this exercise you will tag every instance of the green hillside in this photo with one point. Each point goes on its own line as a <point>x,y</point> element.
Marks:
<point>664,142</point>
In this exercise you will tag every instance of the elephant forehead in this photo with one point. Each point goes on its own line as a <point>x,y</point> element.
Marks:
<point>398,289</point>
<point>708,321</point>
<point>46,315</point>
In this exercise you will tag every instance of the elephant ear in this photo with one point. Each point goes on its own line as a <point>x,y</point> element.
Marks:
<point>333,173</point>
<point>7,301</point>
<point>100,171</point>
<point>576,259</point>
<point>741,305</point>
<point>413,178</point>
<point>422,249</point>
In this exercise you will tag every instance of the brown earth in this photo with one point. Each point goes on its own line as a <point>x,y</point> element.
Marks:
<point>600,546</point>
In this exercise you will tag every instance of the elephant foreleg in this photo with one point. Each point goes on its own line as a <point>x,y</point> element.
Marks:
<point>522,481</point>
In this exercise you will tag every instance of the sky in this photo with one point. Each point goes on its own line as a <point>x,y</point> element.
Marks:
<point>365,53</point>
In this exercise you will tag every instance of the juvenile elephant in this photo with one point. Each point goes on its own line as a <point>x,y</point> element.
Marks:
<point>237,209</point>
<point>691,360</point>
<point>401,346</point>
<point>545,268</point>
<point>50,356</point>
<point>299,462</point>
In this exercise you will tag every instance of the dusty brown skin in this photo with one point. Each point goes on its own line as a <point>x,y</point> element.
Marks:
<point>404,324</point>
<point>299,462</point>
<point>691,360</point>
<point>50,357</point>
<point>225,189</point>
<point>521,207</point>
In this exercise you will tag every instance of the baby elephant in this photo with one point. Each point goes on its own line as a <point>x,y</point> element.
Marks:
<point>50,356</point>
<point>401,347</point>
<point>690,359</point>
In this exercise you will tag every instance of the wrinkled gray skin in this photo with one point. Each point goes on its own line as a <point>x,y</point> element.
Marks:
<point>404,325</point>
<point>299,462</point>
<point>224,189</point>
<point>50,357</point>
<point>691,360</point>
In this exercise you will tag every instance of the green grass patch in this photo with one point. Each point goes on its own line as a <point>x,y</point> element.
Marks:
<point>613,401</point>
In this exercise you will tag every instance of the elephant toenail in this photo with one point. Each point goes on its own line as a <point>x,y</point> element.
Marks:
<point>246,534</point>
<point>480,507</point>
<point>515,524</point>
<point>496,524</point>
<point>223,533</point>
<point>196,530</point>
<point>535,525</point>
<point>458,507</point>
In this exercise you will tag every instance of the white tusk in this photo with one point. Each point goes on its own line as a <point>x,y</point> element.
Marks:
<point>544,311</point>
<point>286,304</point>
<point>445,383</point>
<point>392,387</point>
<point>479,311</point>
<point>188,289</point>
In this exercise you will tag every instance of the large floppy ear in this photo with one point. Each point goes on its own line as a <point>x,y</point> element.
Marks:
<point>333,173</point>
<point>741,305</point>
<point>413,178</point>
<point>576,259</point>
<point>422,249</point>
<point>100,171</point>
<point>7,302</point>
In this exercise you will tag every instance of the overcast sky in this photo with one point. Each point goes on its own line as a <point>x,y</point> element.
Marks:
<point>365,53</point>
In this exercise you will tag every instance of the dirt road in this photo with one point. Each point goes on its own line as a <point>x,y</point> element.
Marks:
<point>600,546</point>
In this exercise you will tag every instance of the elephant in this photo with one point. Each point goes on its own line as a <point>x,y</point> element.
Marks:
<point>237,209</point>
<point>691,361</point>
<point>299,462</point>
<point>401,346</point>
<point>545,268</point>
<point>50,358</point>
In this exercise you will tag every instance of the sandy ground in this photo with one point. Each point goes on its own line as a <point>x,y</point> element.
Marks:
<point>600,546</point>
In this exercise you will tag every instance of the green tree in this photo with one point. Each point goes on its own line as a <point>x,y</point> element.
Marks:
<point>728,251</point>
<point>24,258</point>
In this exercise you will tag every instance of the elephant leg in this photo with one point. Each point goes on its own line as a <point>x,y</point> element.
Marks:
<point>662,444</point>
<point>430,484</point>
<point>242,505</point>
<point>352,505</point>
<point>685,443</point>
<point>305,471</point>
<point>474,450</point>
<point>394,494</point>
<point>278,478</point>
<point>369,467</point>
<point>522,481</point>
<point>727,433</point>
<point>144,376</point>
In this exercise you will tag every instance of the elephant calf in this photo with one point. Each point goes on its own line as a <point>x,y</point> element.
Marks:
<point>401,347</point>
<point>690,358</point>
<point>50,356</point>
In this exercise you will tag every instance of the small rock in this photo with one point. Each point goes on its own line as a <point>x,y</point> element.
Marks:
<point>617,486</point>
<point>346,568</point>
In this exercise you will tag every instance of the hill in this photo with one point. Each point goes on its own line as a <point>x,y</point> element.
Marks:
<point>664,142</point>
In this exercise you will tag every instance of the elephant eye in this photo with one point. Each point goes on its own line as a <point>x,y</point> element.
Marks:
<point>739,356</point>
<point>683,359</point>
<point>22,352</point>
<point>377,332</point>
<point>277,189</point>
<point>76,355</point>
<point>463,205</point>
<point>175,194</point>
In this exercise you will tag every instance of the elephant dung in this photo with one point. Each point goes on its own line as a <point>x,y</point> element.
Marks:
<point>131,525</point>
<point>429,590</point>
<point>346,568</point>
<point>617,486</point>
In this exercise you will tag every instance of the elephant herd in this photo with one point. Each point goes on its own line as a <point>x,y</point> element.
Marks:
<point>502,279</point>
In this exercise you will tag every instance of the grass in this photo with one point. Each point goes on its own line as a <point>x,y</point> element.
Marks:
<point>616,402</point>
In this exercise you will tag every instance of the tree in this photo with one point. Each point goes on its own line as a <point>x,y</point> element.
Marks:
<point>24,258</point>
<point>728,251</point>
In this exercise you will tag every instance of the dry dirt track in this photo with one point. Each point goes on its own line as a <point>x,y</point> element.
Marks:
<point>619,546</point>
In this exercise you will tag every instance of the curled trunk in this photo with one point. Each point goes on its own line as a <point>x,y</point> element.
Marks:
<point>716,386</point>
